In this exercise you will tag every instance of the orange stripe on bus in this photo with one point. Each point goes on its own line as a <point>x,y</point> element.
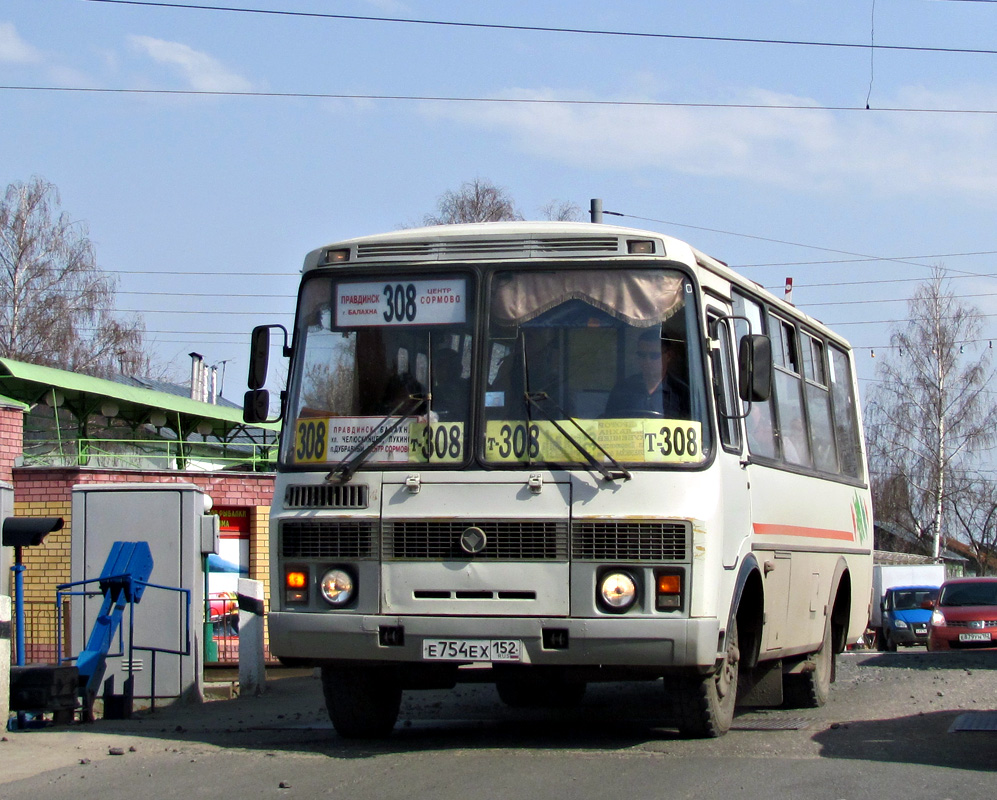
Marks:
<point>798,530</point>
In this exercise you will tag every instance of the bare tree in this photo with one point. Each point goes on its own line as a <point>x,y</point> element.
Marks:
<point>975,518</point>
<point>57,304</point>
<point>562,211</point>
<point>479,200</point>
<point>931,420</point>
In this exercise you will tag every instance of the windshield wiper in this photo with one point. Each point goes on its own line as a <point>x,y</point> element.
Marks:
<point>354,459</point>
<point>534,398</point>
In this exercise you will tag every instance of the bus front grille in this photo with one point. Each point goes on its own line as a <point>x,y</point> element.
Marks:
<point>329,539</point>
<point>326,495</point>
<point>505,540</point>
<point>629,540</point>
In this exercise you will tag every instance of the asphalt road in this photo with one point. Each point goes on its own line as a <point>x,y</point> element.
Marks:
<point>888,732</point>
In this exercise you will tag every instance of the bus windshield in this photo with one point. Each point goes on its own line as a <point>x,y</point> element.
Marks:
<point>593,363</point>
<point>379,353</point>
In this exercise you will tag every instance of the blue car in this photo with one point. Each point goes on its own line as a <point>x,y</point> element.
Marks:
<point>905,619</point>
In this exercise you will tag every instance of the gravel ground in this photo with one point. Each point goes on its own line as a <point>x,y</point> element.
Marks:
<point>888,707</point>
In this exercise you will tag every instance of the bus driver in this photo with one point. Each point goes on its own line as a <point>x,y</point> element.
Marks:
<point>656,389</point>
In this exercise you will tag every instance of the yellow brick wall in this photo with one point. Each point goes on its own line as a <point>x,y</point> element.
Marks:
<point>45,567</point>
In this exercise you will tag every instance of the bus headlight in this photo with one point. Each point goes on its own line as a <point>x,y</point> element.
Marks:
<point>617,591</point>
<point>337,587</point>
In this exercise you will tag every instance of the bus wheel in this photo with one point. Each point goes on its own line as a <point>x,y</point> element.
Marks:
<point>363,702</point>
<point>705,705</point>
<point>812,689</point>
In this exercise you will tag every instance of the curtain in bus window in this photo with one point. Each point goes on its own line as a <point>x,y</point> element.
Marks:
<point>641,299</point>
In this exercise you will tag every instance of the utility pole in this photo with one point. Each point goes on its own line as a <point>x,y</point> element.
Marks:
<point>595,210</point>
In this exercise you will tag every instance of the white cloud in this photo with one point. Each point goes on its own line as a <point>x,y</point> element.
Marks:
<point>797,149</point>
<point>13,49</point>
<point>202,72</point>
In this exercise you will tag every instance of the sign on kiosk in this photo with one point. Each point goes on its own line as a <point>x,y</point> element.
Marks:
<point>431,302</point>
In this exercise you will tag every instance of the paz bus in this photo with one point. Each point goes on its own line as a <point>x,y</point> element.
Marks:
<point>550,454</point>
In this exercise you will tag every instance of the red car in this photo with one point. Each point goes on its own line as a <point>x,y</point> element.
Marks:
<point>964,615</point>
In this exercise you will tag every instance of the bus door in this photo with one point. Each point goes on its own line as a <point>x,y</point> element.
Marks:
<point>731,469</point>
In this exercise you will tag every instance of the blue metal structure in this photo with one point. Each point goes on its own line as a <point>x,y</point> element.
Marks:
<point>122,582</point>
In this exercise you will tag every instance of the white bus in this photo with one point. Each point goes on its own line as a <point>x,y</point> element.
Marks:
<point>548,454</point>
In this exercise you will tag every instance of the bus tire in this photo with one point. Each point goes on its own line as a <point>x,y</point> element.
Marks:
<point>811,689</point>
<point>704,705</point>
<point>362,702</point>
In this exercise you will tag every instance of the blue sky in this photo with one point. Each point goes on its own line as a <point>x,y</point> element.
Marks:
<point>204,206</point>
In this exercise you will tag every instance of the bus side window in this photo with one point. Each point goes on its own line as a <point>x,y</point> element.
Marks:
<point>758,423</point>
<point>819,404</point>
<point>846,425</point>
<point>722,368</point>
<point>789,393</point>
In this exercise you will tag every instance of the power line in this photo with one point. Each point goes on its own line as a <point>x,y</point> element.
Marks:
<point>861,256</point>
<point>500,100</point>
<point>551,29</point>
<point>865,259</point>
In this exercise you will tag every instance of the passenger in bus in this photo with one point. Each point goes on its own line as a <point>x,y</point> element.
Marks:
<point>761,439</point>
<point>657,389</point>
<point>450,388</point>
<point>400,392</point>
<point>794,441</point>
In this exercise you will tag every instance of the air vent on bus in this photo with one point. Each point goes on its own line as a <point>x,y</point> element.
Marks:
<point>326,495</point>
<point>328,538</point>
<point>513,247</point>
<point>505,540</point>
<point>629,540</point>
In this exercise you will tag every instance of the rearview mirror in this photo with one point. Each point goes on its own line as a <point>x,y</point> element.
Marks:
<point>256,406</point>
<point>754,379</point>
<point>259,357</point>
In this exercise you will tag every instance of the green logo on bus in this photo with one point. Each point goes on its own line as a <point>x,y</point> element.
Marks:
<point>860,518</point>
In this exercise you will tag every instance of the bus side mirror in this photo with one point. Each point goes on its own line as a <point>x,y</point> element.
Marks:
<point>754,380</point>
<point>256,403</point>
<point>256,406</point>
<point>259,357</point>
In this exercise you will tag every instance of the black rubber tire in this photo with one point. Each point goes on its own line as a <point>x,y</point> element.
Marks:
<point>530,692</point>
<point>812,689</point>
<point>362,702</point>
<point>889,645</point>
<point>704,706</point>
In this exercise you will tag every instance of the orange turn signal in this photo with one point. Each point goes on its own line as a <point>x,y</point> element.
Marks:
<point>668,596</point>
<point>296,580</point>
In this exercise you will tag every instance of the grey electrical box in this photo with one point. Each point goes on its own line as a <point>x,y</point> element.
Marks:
<point>172,518</point>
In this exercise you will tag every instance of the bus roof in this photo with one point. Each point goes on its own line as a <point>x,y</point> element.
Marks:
<point>498,241</point>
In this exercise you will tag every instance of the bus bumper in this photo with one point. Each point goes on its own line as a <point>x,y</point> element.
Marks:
<point>590,642</point>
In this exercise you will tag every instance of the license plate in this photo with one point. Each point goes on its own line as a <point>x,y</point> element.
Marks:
<point>974,637</point>
<point>472,650</point>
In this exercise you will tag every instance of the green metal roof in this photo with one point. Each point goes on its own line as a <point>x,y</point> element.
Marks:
<point>85,396</point>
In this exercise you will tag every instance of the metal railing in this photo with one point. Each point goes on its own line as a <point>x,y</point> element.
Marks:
<point>156,454</point>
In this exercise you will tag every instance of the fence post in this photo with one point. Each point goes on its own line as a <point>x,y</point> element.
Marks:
<point>4,660</point>
<point>252,667</point>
